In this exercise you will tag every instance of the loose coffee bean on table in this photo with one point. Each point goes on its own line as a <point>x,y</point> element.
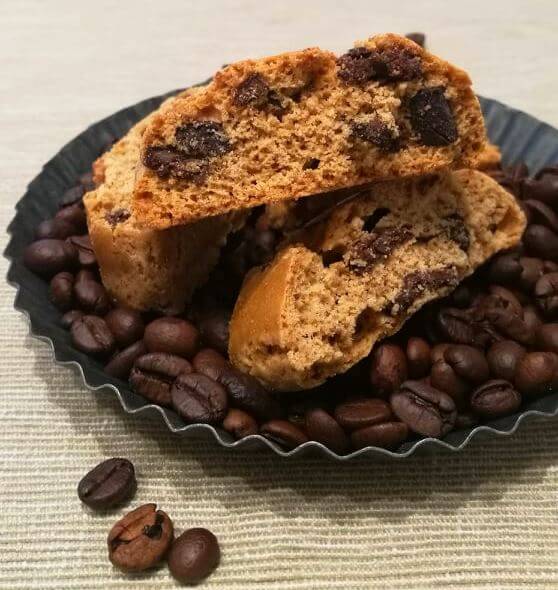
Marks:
<point>86,254</point>
<point>75,215</point>
<point>70,317</point>
<point>357,413</point>
<point>503,357</point>
<point>467,362</point>
<point>194,555</point>
<point>172,335</point>
<point>58,229</point>
<point>387,435</point>
<point>284,433</point>
<point>210,363</point>
<point>125,324</point>
<point>239,423</point>
<point>536,373</point>
<point>418,357</point>
<point>110,483</point>
<point>547,338</point>
<point>444,377</point>
<point>495,398</point>
<point>90,294</point>
<point>91,335</point>
<point>322,427</point>
<point>388,369</point>
<point>198,398</point>
<point>546,295</point>
<point>120,365</point>
<point>61,290</point>
<point>214,329</point>
<point>48,257</point>
<point>141,539</point>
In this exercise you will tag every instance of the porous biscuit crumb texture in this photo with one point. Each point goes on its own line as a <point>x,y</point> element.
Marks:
<point>306,122</point>
<point>345,283</point>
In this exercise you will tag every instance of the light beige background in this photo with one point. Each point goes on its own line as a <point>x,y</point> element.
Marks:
<point>485,518</point>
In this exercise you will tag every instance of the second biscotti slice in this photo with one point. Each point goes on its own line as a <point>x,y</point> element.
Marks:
<point>351,280</point>
<point>303,123</point>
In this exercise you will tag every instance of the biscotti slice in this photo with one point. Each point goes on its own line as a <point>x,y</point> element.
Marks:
<point>353,279</point>
<point>303,123</point>
<point>140,267</point>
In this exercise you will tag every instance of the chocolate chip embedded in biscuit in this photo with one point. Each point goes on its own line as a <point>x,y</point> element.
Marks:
<point>311,164</point>
<point>202,139</point>
<point>457,231</point>
<point>432,118</point>
<point>401,64</point>
<point>377,133</point>
<point>253,90</point>
<point>358,65</point>
<point>168,161</point>
<point>376,246</point>
<point>116,216</point>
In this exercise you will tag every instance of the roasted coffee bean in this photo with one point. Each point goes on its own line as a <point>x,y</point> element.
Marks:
<point>110,483</point>
<point>503,357</point>
<point>172,335</point>
<point>248,394</point>
<point>377,133</point>
<point>75,215</point>
<point>462,296</point>
<point>536,373</point>
<point>86,255</point>
<point>91,335</point>
<point>425,410</point>
<point>541,241</point>
<point>498,320</point>
<point>86,181</point>
<point>544,189</point>
<point>202,139</point>
<point>466,420</point>
<point>198,398</point>
<point>210,363</point>
<point>547,338</point>
<point>388,435</point>
<point>549,266</point>
<point>531,318</point>
<point>388,369</point>
<point>356,414</point>
<point>322,427</point>
<point>57,229</point>
<point>468,362</point>
<point>193,555</point>
<point>141,539</point>
<point>239,423</point>
<point>495,398</point>
<point>432,118</point>
<point>438,350</point>
<point>458,326</point>
<point>538,212</point>
<point>90,295</point>
<point>546,295</point>
<point>284,433</point>
<point>505,268</point>
<point>418,357</point>
<point>532,270</point>
<point>73,196</point>
<point>48,257</point>
<point>506,299</point>
<point>214,329</point>
<point>125,324</point>
<point>70,317</point>
<point>445,378</point>
<point>61,290</point>
<point>153,375</point>
<point>120,365</point>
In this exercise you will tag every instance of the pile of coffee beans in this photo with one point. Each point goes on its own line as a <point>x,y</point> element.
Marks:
<point>475,356</point>
<point>144,537</point>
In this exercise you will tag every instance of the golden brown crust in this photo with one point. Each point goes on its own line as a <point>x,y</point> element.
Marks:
<point>323,302</point>
<point>304,142</point>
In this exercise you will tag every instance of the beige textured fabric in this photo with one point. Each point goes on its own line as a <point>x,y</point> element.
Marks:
<point>485,518</point>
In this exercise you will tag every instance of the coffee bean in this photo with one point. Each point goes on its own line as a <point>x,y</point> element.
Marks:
<point>125,324</point>
<point>531,318</point>
<point>418,357</point>
<point>505,268</point>
<point>91,335</point>
<point>90,294</point>
<point>418,38</point>
<point>172,335</point>
<point>532,270</point>
<point>468,362</point>
<point>438,350</point>
<point>194,555</point>
<point>214,329</point>
<point>540,213</point>
<point>388,369</point>
<point>358,413</point>
<point>549,266</point>
<point>388,435</point>
<point>154,373</point>
<point>466,420</point>
<point>86,255</point>
<point>141,539</point>
<point>248,394</point>
<point>546,295</point>
<point>210,363</point>
<point>544,189</point>
<point>445,378</point>
<point>503,357</point>
<point>239,423</point>
<point>505,298</point>
<point>432,118</point>
<point>462,296</point>
<point>541,242</point>
<point>547,338</point>
<point>86,181</point>
<point>198,398</point>
<point>74,215</point>
<point>284,433</point>
<point>424,409</point>
<point>458,326</point>
<point>57,229</point>
<point>48,257</point>
<point>535,373</point>
<point>73,196</point>
<point>70,317</point>
<point>122,362</point>
<point>61,290</point>
<point>110,483</point>
<point>320,426</point>
<point>495,398</point>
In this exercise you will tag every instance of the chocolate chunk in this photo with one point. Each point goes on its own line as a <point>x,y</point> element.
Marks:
<point>357,66</point>
<point>116,216</point>
<point>457,231</point>
<point>416,283</point>
<point>252,91</point>
<point>311,164</point>
<point>377,133</point>
<point>401,64</point>
<point>202,139</point>
<point>432,118</point>
<point>168,161</point>
<point>377,246</point>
